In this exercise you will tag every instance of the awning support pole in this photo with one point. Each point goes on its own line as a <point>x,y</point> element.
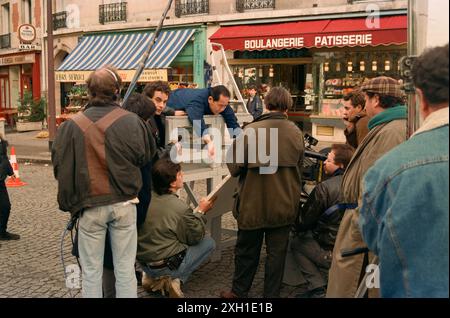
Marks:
<point>141,65</point>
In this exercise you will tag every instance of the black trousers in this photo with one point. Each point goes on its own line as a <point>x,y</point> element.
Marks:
<point>5,207</point>
<point>246,260</point>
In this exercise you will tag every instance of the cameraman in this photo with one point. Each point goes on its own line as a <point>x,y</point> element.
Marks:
<point>171,242</point>
<point>317,226</point>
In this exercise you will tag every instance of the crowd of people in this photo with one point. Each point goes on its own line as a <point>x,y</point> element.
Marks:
<point>382,191</point>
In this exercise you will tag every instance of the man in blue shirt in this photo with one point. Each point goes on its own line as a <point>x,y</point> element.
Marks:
<point>404,213</point>
<point>200,102</point>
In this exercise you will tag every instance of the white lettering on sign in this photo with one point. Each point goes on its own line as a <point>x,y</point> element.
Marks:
<point>343,40</point>
<point>29,47</point>
<point>148,75</point>
<point>268,44</point>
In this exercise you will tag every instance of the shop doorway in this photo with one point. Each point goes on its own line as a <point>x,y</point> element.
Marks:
<point>5,96</point>
<point>26,79</point>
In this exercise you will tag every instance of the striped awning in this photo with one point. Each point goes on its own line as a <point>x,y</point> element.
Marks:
<point>124,51</point>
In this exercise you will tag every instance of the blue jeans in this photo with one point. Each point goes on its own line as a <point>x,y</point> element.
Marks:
<point>120,220</point>
<point>195,256</point>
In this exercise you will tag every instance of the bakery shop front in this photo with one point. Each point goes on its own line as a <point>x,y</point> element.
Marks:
<point>318,61</point>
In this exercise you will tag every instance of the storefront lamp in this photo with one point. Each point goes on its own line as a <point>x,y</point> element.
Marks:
<point>387,65</point>
<point>374,66</point>
<point>362,66</point>
<point>338,66</point>
<point>261,74</point>
<point>326,67</point>
<point>350,66</point>
<point>271,71</point>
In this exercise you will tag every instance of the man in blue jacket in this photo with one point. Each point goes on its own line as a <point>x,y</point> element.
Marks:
<point>200,102</point>
<point>404,216</point>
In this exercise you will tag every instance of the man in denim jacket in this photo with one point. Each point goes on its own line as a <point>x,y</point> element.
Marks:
<point>404,216</point>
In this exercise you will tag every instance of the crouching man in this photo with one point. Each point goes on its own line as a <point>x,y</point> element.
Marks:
<point>311,246</point>
<point>171,243</point>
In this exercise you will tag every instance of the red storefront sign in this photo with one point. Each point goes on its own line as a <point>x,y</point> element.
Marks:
<point>314,34</point>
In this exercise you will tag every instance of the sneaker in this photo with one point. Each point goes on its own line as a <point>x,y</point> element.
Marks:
<point>9,237</point>
<point>228,294</point>
<point>147,283</point>
<point>174,288</point>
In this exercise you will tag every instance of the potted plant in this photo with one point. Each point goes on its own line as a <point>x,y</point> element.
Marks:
<point>30,113</point>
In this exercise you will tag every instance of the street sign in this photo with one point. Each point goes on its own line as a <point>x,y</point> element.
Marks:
<point>29,47</point>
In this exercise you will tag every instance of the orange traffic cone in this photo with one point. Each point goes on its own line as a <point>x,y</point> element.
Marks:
<point>14,183</point>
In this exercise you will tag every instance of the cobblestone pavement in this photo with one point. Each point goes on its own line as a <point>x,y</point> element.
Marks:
<point>31,266</point>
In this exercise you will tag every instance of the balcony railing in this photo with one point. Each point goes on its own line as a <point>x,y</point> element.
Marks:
<point>113,12</point>
<point>5,41</point>
<point>243,5</point>
<point>60,20</point>
<point>187,7</point>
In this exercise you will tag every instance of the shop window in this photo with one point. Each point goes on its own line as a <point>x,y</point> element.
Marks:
<point>181,76</point>
<point>4,92</point>
<point>291,77</point>
<point>346,71</point>
<point>272,54</point>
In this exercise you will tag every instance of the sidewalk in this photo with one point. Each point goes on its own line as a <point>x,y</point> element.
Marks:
<point>29,148</point>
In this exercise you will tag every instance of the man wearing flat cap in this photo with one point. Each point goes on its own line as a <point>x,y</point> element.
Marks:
<point>387,129</point>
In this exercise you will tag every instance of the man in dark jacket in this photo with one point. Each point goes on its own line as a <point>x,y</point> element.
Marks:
<point>159,93</point>
<point>266,202</point>
<point>355,118</point>
<point>200,102</point>
<point>97,158</point>
<point>254,103</point>
<point>145,109</point>
<point>5,205</point>
<point>317,225</point>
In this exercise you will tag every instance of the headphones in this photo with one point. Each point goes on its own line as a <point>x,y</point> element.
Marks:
<point>113,75</point>
<point>117,96</point>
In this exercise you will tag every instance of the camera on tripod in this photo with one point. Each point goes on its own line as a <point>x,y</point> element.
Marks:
<point>313,162</point>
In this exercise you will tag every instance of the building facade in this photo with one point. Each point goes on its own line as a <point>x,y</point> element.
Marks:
<point>20,53</point>
<point>316,73</point>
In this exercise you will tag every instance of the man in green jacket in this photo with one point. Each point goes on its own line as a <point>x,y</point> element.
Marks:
<point>172,242</point>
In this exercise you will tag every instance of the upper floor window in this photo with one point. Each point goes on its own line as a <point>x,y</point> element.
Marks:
<point>113,12</point>
<point>187,7</point>
<point>5,27</point>
<point>5,23</point>
<point>27,16</point>
<point>243,5</point>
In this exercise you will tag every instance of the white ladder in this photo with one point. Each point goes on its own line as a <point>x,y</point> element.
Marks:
<point>238,104</point>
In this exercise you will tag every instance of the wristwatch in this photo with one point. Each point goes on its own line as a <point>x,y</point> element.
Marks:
<point>201,212</point>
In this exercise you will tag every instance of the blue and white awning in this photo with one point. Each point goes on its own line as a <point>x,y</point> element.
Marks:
<point>124,51</point>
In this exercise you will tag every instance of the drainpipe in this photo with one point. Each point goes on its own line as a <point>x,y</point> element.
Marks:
<point>50,77</point>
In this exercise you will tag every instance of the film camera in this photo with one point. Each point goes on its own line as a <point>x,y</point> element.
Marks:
<point>313,161</point>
